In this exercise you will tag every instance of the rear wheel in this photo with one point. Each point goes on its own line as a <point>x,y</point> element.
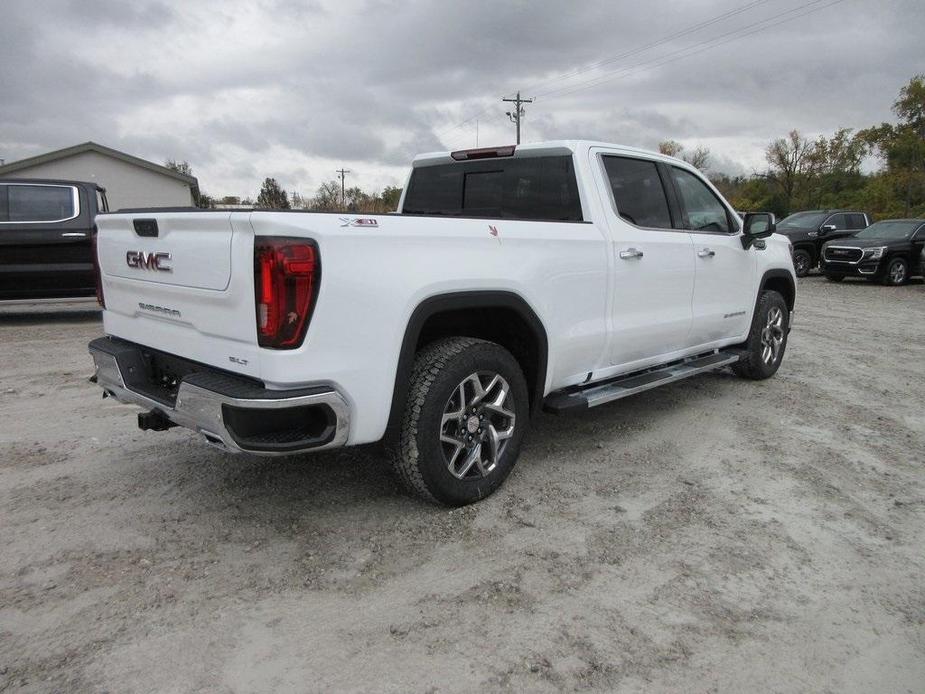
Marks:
<point>767,339</point>
<point>464,421</point>
<point>802,262</point>
<point>897,272</point>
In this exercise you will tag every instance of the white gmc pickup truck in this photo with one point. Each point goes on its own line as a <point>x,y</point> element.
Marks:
<point>558,275</point>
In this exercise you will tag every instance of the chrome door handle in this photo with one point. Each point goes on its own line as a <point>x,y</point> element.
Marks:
<point>706,253</point>
<point>81,234</point>
<point>630,253</point>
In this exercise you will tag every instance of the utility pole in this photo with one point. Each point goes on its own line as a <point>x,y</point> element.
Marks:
<point>343,190</point>
<point>518,112</point>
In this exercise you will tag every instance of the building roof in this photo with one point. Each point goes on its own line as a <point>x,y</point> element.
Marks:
<point>99,149</point>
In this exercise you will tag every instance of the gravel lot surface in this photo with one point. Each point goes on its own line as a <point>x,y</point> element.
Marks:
<point>714,535</point>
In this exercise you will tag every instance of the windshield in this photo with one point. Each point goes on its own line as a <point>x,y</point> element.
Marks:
<point>889,230</point>
<point>802,220</point>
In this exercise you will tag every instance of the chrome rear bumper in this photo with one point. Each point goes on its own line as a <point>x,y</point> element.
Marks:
<point>208,402</point>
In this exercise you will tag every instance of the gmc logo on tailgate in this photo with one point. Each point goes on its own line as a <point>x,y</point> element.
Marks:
<point>148,261</point>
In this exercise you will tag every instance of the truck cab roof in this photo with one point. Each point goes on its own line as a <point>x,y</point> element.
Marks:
<point>534,149</point>
<point>54,181</point>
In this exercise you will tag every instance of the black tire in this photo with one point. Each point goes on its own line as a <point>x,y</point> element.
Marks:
<point>753,364</point>
<point>897,272</point>
<point>834,278</point>
<point>802,262</point>
<point>420,457</point>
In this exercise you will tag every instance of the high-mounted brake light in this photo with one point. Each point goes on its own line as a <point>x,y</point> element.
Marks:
<point>286,273</point>
<point>483,153</point>
<point>97,273</point>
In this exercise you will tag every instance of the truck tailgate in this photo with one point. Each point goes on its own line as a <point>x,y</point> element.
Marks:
<point>187,290</point>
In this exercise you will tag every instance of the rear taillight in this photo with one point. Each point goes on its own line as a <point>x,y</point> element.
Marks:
<point>97,273</point>
<point>286,273</point>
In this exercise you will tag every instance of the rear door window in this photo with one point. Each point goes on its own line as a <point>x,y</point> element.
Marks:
<point>704,210</point>
<point>856,221</point>
<point>638,192</point>
<point>37,203</point>
<point>529,188</point>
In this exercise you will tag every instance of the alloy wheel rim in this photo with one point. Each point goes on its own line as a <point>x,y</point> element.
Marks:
<point>772,336</point>
<point>897,273</point>
<point>477,425</point>
<point>802,263</point>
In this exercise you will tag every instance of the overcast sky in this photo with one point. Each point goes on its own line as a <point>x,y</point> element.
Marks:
<point>294,89</point>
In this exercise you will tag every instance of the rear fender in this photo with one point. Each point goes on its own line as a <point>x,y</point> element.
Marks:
<point>459,301</point>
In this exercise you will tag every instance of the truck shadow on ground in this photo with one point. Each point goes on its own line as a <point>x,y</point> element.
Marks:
<point>13,316</point>
<point>340,519</point>
<point>288,488</point>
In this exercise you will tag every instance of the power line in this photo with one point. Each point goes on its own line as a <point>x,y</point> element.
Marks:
<point>641,49</point>
<point>742,32</point>
<point>620,56</point>
<point>464,122</point>
<point>687,50</point>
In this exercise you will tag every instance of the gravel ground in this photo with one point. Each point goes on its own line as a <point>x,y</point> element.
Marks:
<point>713,535</point>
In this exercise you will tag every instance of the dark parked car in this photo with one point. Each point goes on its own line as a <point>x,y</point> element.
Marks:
<point>808,230</point>
<point>890,251</point>
<point>46,238</point>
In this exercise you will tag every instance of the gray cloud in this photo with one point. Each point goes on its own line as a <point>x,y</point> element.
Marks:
<point>293,88</point>
<point>92,13</point>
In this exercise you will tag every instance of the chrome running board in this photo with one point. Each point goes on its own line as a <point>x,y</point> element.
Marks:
<point>595,394</point>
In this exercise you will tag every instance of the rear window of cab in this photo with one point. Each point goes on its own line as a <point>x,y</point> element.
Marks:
<point>528,188</point>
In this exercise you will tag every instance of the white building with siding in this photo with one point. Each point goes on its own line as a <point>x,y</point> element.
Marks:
<point>129,181</point>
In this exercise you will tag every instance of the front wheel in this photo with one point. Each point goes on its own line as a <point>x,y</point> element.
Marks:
<point>464,421</point>
<point>897,272</point>
<point>767,339</point>
<point>802,262</point>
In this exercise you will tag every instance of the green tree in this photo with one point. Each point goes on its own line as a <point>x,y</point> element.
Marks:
<point>835,169</point>
<point>390,196</point>
<point>359,201</point>
<point>670,148</point>
<point>200,198</point>
<point>791,162</point>
<point>901,146</point>
<point>327,198</point>
<point>699,158</point>
<point>181,167</point>
<point>272,196</point>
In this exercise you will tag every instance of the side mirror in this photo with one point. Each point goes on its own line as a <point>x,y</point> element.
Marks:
<point>826,228</point>
<point>755,226</point>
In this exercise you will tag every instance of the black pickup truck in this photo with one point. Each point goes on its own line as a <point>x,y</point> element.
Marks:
<point>47,233</point>
<point>808,230</point>
<point>890,251</point>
